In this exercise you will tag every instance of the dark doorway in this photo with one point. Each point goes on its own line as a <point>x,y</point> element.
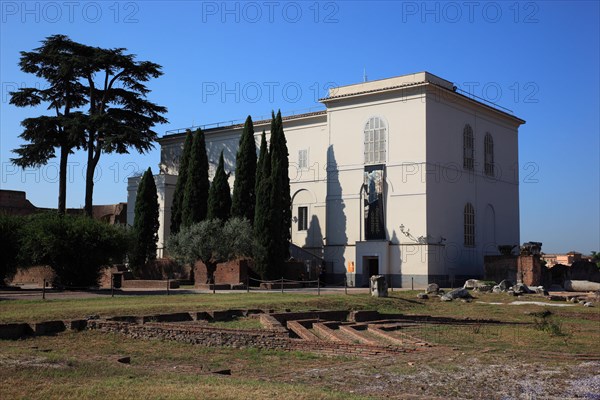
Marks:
<point>372,266</point>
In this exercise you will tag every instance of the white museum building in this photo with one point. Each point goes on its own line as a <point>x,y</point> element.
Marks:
<point>404,177</point>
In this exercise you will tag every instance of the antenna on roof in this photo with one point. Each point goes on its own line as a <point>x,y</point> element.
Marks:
<point>364,74</point>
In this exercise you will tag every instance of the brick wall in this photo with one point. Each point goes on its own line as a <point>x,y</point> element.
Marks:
<point>231,272</point>
<point>526,269</point>
<point>498,268</point>
<point>165,268</point>
<point>34,276</point>
<point>530,270</point>
<point>148,284</point>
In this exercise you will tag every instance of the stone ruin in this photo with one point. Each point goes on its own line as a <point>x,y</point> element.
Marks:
<point>378,286</point>
<point>354,333</point>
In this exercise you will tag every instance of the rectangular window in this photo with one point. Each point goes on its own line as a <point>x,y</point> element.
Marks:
<point>489,155</point>
<point>469,225</point>
<point>303,159</point>
<point>302,218</point>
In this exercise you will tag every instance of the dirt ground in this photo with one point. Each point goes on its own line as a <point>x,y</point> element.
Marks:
<point>434,373</point>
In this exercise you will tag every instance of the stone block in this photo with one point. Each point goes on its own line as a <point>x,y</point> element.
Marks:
<point>365,315</point>
<point>432,288</point>
<point>48,327</point>
<point>378,286</point>
<point>14,331</point>
<point>76,324</point>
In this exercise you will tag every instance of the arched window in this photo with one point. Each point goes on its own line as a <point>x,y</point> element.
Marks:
<point>469,225</point>
<point>468,148</point>
<point>375,137</point>
<point>488,155</point>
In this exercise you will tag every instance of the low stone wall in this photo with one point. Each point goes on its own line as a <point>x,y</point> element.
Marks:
<point>148,284</point>
<point>18,331</point>
<point>202,335</point>
<point>261,339</point>
<point>33,276</point>
<point>193,328</point>
<point>317,315</point>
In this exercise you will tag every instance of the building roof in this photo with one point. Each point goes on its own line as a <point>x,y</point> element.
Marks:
<point>219,126</point>
<point>411,80</point>
<point>368,91</point>
<point>359,89</point>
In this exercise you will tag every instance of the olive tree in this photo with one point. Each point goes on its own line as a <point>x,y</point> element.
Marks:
<point>212,242</point>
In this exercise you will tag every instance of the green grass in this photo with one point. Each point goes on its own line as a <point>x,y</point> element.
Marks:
<point>44,310</point>
<point>572,329</point>
<point>83,364</point>
<point>238,323</point>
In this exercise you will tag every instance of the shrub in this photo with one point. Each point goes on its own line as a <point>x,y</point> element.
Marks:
<point>10,236</point>
<point>75,247</point>
<point>543,322</point>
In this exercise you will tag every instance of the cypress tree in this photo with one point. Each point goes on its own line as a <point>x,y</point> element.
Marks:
<point>195,198</point>
<point>262,154</point>
<point>280,201</point>
<point>286,201</point>
<point>145,223</point>
<point>244,197</point>
<point>177,206</point>
<point>219,195</point>
<point>275,200</point>
<point>262,218</point>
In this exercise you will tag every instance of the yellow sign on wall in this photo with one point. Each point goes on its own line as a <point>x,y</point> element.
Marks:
<point>350,266</point>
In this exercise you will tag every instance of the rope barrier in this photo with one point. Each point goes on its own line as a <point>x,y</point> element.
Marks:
<point>261,281</point>
<point>284,280</point>
<point>318,283</point>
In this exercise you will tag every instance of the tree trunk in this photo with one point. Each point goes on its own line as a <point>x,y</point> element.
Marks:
<point>89,182</point>
<point>211,268</point>
<point>62,180</point>
<point>93,158</point>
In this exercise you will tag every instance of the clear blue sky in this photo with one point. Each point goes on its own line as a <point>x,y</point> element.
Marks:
<point>223,61</point>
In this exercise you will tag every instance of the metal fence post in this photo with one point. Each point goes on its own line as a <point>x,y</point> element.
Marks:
<point>346,284</point>
<point>282,284</point>
<point>214,283</point>
<point>112,285</point>
<point>247,284</point>
<point>168,286</point>
<point>44,290</point>
<point>318,286</point>
<point>412,283</point>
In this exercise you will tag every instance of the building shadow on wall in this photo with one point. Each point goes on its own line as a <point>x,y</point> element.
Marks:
<point>314,237</point>
<point>336,223</point>
<point>229,148</point>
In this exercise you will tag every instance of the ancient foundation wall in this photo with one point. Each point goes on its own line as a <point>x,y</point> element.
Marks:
<point>266,340</point>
